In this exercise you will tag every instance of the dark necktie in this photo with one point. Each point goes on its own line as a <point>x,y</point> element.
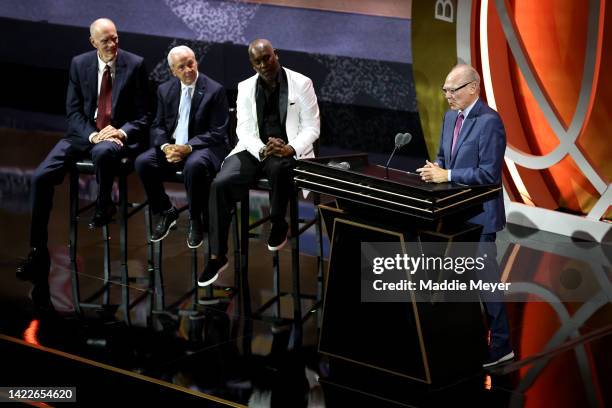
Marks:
<point>458,124</point>
<point>104,100</point>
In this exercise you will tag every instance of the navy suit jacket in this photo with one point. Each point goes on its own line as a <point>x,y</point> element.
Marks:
<point>477,159</point>
<point>129,98</point>
<point>208,117</point>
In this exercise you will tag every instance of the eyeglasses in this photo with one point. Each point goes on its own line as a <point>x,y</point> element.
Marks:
<point>453,90</point>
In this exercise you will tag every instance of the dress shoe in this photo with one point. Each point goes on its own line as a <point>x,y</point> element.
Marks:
<point>36,266</point>
<point>102,216</point>
<point>498,355</point>
<point>212,271</point>
<point>278,236</point>
<point>165,221</point>
<point>195,235</point>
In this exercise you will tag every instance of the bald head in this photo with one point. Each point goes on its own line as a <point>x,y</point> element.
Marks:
<point>259,44</point>
<point>462,86</point>
<point>100,25</point>
<point>104,38</point>
<point>264,60</point>
<point>466,72</point>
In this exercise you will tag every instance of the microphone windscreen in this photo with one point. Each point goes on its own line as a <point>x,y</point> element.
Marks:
<point>402,139</point>
<point>398,139</point>
<point>407,138</point>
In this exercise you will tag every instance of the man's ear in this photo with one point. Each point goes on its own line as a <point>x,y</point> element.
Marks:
<point>91,41</point>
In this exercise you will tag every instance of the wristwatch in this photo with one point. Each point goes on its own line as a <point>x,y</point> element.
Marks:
<point>262,151</point>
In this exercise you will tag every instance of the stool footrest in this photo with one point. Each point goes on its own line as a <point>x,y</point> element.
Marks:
<point>259,222</point>
<point>136,207</point>
<point>86,207</point>
<point>138,299</point>
<point>306,226</point>
<point>98,306</point>
<point>276,298</point>
<point>98,293</point>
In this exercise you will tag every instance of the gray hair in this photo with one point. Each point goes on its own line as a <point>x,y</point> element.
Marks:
<point>469,71</point>
<point>176,50</point>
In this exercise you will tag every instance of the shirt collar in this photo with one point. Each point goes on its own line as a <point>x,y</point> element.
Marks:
<point>190,87</point>
<point>467,110</point>
<point>102,65</point>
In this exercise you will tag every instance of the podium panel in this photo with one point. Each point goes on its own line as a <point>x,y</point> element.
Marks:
<point>383,336</point>
<point>395,342</point>
<point>385,347</point>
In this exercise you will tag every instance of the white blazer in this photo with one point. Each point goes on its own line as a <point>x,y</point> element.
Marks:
<point>302,124</point>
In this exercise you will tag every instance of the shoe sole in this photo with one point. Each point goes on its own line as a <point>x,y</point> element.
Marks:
<point>214,278</point>
<point>209,301</point>
<point>507,357</point>
<point>278,247</point>
<point>166,234</point>
<point>196,246</point>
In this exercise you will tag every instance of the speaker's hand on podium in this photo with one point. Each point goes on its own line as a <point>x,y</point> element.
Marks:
<point>433,173</point>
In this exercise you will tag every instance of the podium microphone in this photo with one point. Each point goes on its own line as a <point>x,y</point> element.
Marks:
<point>401,140</point>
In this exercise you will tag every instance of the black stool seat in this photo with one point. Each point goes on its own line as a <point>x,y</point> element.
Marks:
<point>86,166</point>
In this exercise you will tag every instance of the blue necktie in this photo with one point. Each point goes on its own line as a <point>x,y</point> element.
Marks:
<point>182,128</point>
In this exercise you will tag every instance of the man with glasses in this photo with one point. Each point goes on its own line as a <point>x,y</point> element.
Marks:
<point>471,152</point>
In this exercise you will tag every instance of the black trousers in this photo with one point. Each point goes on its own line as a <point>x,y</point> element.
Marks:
<point>153,169</point>
<point>238,173</point>
<point>50,173</point>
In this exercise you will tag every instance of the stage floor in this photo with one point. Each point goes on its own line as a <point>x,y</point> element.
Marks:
<point>211,355</point>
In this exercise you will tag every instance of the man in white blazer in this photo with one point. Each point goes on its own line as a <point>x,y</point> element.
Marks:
<point>277,123</point>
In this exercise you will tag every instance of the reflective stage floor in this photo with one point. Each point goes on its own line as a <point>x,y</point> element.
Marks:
<point>209,354</point>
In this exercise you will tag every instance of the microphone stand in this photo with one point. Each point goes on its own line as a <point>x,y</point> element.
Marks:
<point>389,161</point>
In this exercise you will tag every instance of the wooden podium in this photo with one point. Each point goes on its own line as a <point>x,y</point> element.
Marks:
<point>380,347</point>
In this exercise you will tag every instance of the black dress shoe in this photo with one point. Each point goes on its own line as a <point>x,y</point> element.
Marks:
<point>36,266</point>
<point>278,236</point>
<point>165,221</point>
<point>195,235</point>
<point>498,355</point>
<point>212,271</point>
<point>102,216</point>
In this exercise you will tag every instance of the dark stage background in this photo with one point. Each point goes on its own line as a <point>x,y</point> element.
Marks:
<point>361,65</point>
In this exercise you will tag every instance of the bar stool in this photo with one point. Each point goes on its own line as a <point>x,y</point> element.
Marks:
<point>155,260</point>
<point>294,238</point>
<point>126,210</point>
<point>155,263</point>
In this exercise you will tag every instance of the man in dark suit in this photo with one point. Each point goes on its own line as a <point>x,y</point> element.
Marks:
<point>189,133</point>
<point>107,112</point>
<point>471,152</point>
